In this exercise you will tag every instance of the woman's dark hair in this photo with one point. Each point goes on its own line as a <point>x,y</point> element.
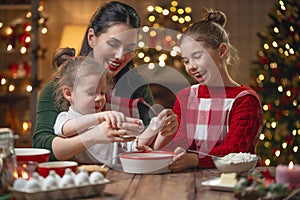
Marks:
<point>108,15</point>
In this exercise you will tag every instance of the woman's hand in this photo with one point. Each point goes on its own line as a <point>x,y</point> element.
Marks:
<point>183,160</point>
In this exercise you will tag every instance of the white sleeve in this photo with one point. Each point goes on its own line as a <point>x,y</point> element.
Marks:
<point>60,121</point>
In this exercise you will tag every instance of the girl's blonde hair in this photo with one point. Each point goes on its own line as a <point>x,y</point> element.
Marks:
<point>75,69</point>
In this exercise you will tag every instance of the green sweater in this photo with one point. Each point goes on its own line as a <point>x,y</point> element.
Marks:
<point>47,113</point>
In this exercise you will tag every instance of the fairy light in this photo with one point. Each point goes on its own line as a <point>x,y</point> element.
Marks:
<point>28,14</point>
<point>141,44</point>
<point>294,132</point>
<point>262,136</point>
<point>165,12</point>
<point>11,88</point>
<point>3,81</point>
<point>158,9</point>
<point>151,66</point>
<point>9,47</point>
<point>173,9</point>
<point>265,107</point>
<point>28,28</point>
<point>267,162</point>
<point>291,51</point>
<point>152,33</point>
<point>181,20</point>
<point>277,153</point>
<point>27,39</point>
<point>288,93</point>
<point>145,29</point>
<point>23,50</point>
<point>1,24</point>
<point>150,8</point>
<point>28,88</point>
<point>173,53</point>
<point>286,53</point>
<point>273,65</point>
<point>266,46</point>
<point>174,3</point>
<point>8,31</point>
<point>151,18</point>
<point>44,30</point>
<point>276,30</point>
<point>147,59</point>
<point>274,44</point>
<point>284,145</point>
<point>180,11</point>
<point>175,18</point>
<point>273,124</point>
<point>295,149</point>
<point>158,47</point>
<point>280,88</point>
<point>187,18</point>
<point>188,9</point>
<point>141,55</point>
<point>292,29</point>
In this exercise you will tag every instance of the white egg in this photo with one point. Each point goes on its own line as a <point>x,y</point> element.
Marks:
<point>82,178</point>
<point>38,177</point>
<point>50,182</point>
<point>70,171</point>
<point>32,185</point>
<point>19,183</point>
<point>95,177</point>
<point>67,180</point>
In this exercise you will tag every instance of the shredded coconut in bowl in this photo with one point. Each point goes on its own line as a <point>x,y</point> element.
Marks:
<point>234,158</point>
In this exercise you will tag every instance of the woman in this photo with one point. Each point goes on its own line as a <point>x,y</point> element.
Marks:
<point>218,115</point>
<point>107,41</point>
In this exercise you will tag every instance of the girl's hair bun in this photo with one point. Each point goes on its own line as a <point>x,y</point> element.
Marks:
<point>61,55</point>
<point>217,17</point>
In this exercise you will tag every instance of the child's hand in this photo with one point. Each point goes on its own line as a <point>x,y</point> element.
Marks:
<point>170,124</point>
<point>183,160</point>
<point>113,118</point>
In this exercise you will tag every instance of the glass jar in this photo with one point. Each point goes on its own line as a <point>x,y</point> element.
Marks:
<point>8,161</point>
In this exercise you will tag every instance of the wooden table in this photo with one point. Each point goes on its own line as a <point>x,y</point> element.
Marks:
<point>175,186</point>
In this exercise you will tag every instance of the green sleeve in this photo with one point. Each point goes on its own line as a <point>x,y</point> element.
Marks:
<point>45,118</point>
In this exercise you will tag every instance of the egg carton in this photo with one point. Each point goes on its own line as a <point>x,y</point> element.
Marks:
<point>81,191</point>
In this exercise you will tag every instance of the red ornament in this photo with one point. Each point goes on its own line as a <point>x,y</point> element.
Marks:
<point>289,139</point>
<point>264,60</point>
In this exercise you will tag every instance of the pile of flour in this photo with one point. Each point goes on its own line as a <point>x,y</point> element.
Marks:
<point>234,158</point>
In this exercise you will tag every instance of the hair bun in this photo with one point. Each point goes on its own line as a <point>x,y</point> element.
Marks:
<point>217,17</point>
<point>61,55</point>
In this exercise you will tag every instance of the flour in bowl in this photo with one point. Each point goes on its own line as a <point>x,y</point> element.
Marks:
<point>234,158</point>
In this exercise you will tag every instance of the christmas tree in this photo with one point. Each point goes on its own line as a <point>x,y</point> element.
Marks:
<point>277,81</point>
<point>158,50</point>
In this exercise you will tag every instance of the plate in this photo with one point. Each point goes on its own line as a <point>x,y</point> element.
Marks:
<point>215,184</point>
<point>62,193</point>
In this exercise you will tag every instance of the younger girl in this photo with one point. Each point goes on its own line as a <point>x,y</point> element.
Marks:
<point>80,95</point>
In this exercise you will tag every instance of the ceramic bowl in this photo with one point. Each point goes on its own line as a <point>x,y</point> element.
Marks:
<point>58,166</point>
<point>32,154</point>
<point>236,162</point>
<point>154,162</point>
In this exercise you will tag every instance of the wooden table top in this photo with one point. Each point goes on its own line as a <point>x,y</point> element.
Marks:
<point>183,185</point>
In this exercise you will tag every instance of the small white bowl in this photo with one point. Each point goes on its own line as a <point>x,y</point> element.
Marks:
<point>231,162</point>
<point>155,162</point>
